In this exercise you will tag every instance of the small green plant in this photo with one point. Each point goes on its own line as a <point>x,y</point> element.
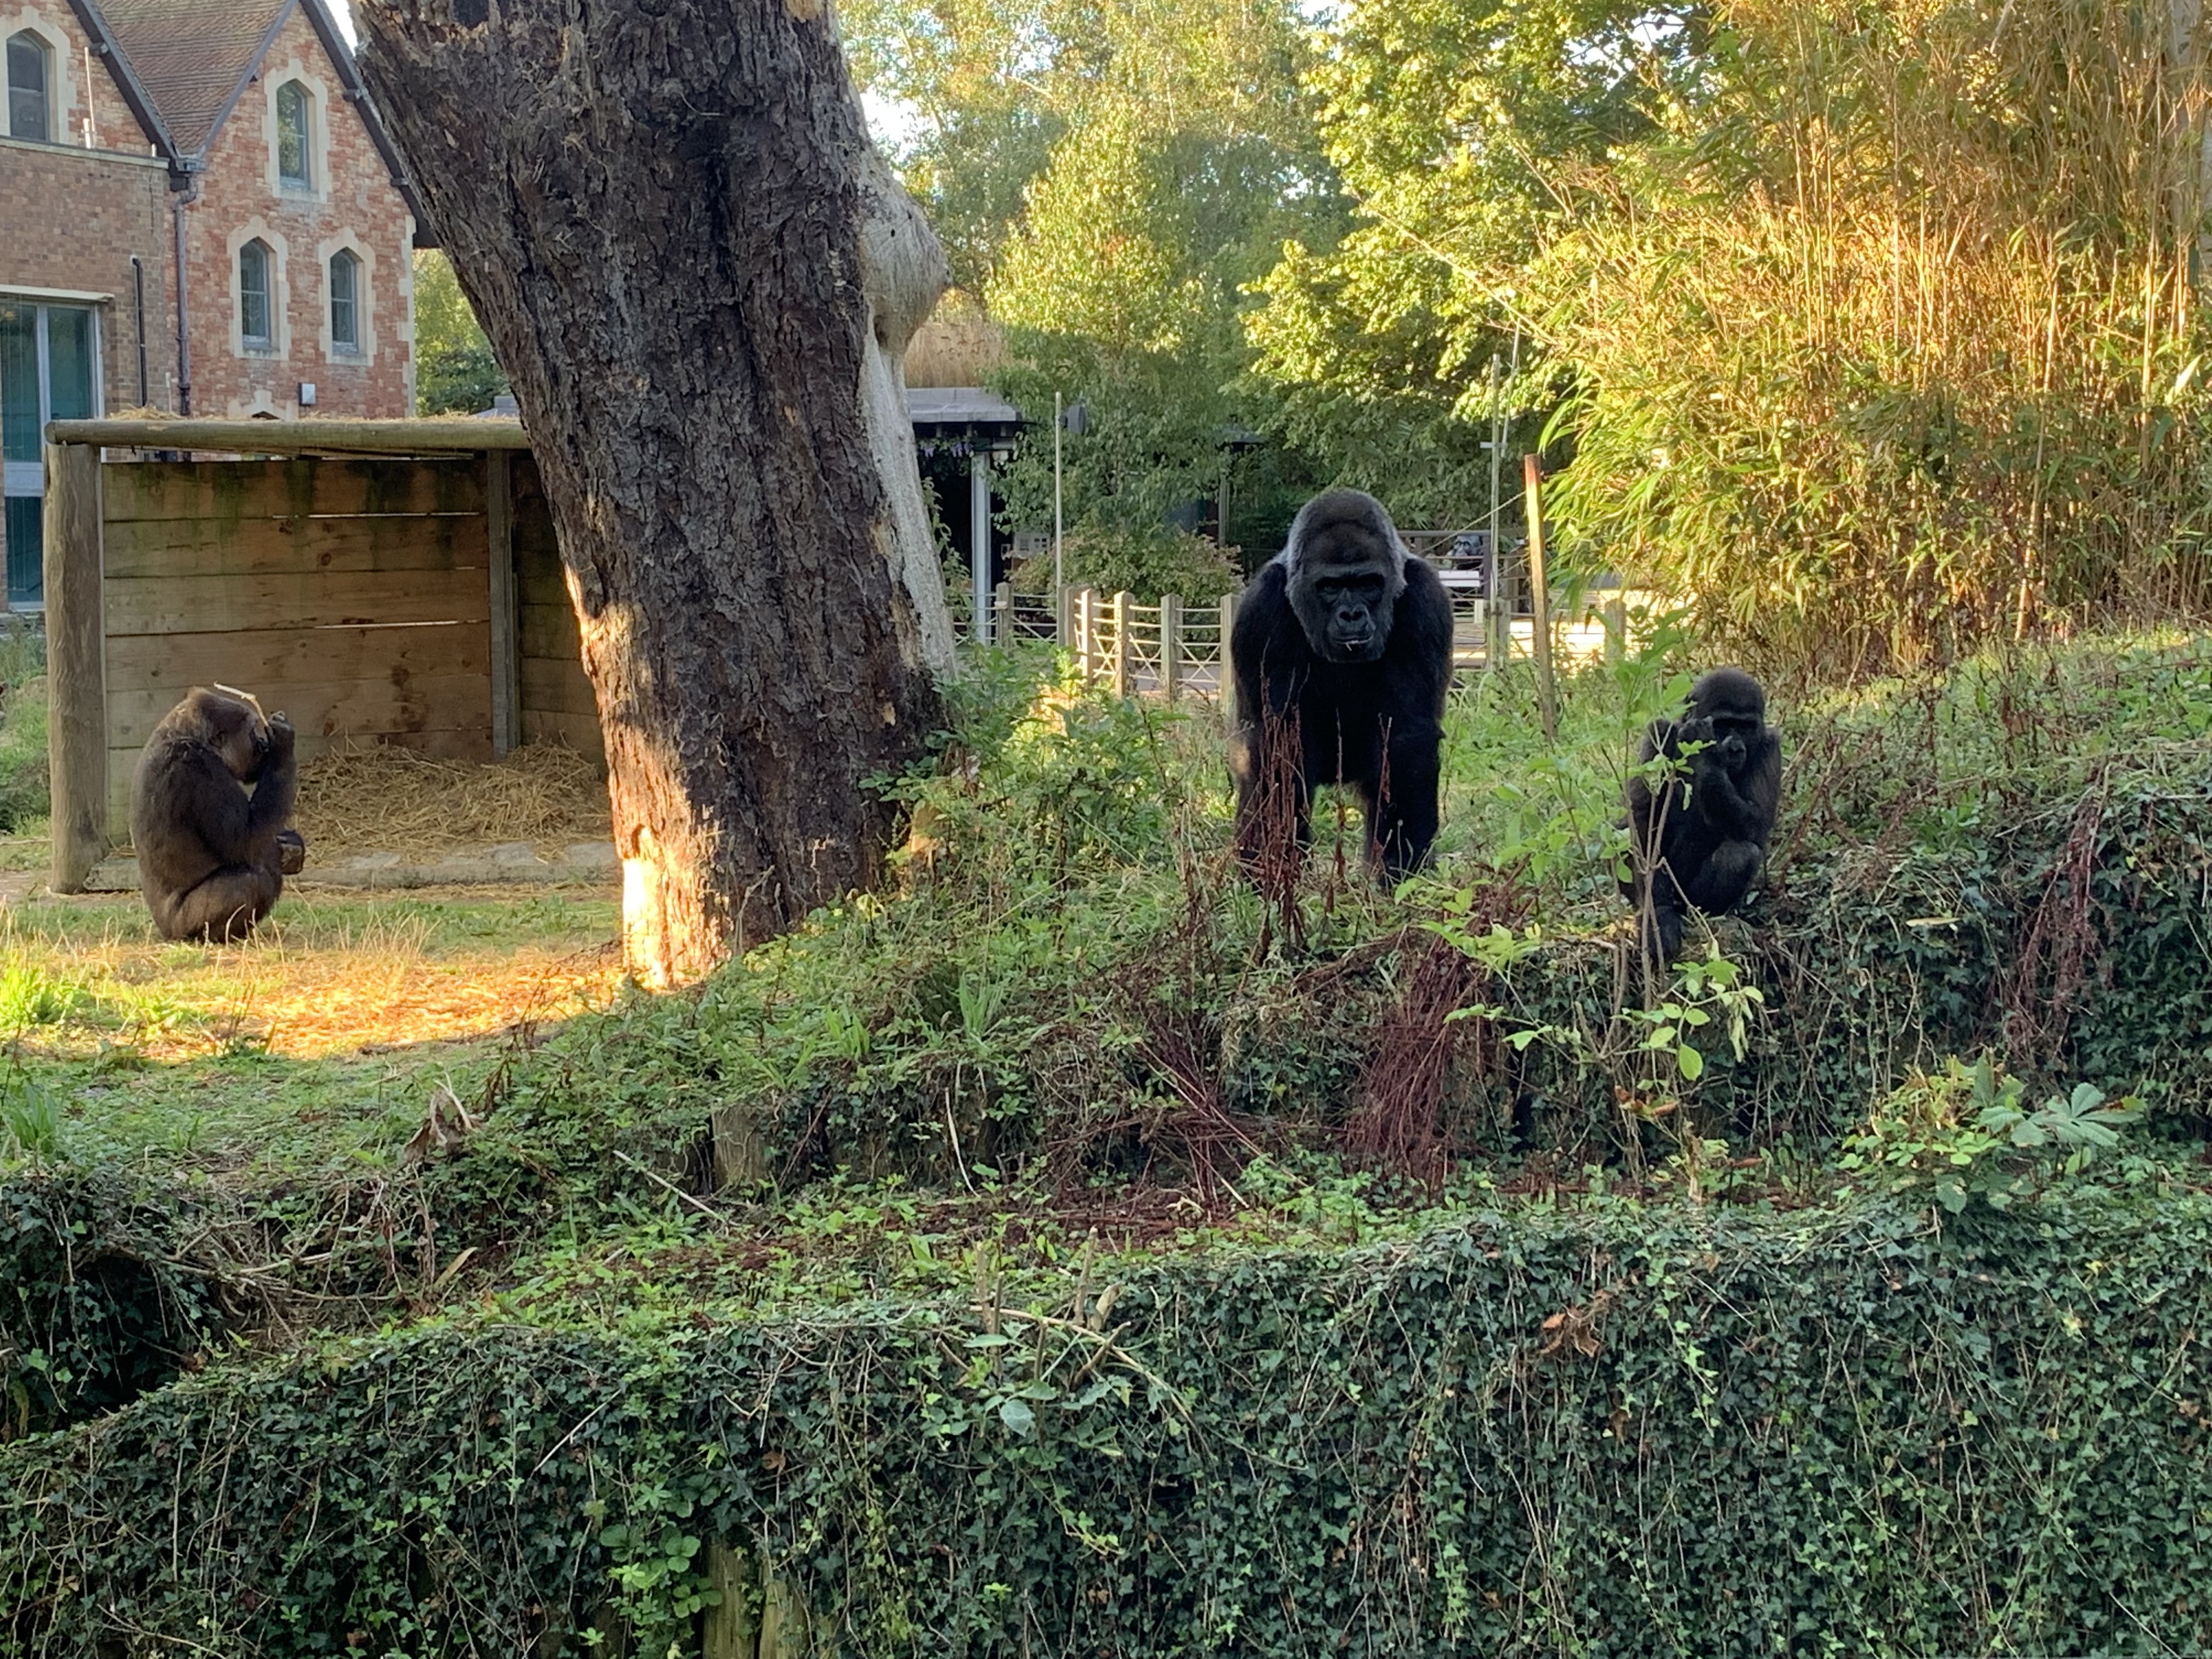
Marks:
<point>30,995</point>
<point>30,1117</point>
<point>1714,988</point>
<point>1967,1134</point>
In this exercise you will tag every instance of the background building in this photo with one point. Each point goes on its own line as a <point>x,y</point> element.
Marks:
<point>222,150</point>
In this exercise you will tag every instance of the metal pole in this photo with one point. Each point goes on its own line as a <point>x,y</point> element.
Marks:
<point>979,531</point>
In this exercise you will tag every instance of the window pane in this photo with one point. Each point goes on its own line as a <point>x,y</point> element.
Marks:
<point>69,364</point>
<point>27,89</point>
<point>292,134</point>
<point>26,541</point>
<point>345,330</point>
<point>253,292</point>
<point>19,383</point>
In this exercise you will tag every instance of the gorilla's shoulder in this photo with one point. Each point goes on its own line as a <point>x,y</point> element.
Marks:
<point>1425,596</point>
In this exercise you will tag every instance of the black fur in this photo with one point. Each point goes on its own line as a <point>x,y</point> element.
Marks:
<point>211,858</point>
<point>1701,847</point>
<point>1342,656</point>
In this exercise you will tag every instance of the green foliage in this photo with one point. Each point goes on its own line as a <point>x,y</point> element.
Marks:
<point>1144,562</point>
<point>455,371</point>
<point>1912,1434</point>
<point>1075,1321</point>
<point>1965,1135</point>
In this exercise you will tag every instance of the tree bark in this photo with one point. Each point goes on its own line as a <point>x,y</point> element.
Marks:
<point>701,279</point>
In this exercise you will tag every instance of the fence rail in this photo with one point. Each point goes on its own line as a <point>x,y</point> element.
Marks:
<point>1175,650</point>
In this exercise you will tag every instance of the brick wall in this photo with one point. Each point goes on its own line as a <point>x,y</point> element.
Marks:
<point>352,203</point>
<point>113,125</point>
<point>71,218</point>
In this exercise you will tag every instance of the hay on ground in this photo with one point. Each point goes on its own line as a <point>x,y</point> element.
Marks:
<point>396,800</point>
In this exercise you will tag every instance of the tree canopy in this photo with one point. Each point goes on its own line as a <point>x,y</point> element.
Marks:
<point>1865,327</point>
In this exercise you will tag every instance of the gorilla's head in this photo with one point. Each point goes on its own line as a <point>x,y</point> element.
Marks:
<point>1343,567</point>
<point>233,726</point>
<point>1727,710</point>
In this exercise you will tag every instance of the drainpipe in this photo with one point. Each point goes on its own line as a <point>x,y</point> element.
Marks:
<point>138,299</point>
<point>185,198</point>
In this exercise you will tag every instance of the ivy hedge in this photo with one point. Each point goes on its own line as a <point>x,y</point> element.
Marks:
<point>1616,1429</point>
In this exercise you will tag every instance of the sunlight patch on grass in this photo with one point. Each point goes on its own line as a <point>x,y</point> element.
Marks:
<point>321,978</point>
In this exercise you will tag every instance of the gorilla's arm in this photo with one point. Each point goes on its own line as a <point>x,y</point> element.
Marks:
<point>1267,649</point>
<point>1416,678</point>
<point>192,797</point>
<point>1418,661</point>
<point>275,794</point>
<point>1743,806</point>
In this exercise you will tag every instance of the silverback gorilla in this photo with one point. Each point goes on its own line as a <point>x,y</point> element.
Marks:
<point>211,858</point>
<point>1342,653</point>
<point>1703,846</point>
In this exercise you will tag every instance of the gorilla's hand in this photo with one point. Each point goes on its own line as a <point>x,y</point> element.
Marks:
<point>280,734</point>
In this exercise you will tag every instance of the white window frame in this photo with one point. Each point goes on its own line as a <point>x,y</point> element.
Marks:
<point>265,342</point>
<point>363,352</point>
<point>56,88</point>
<point>278,347</point>
<point>318,188</point>
<point>305,184</point>
<point>28,478</point>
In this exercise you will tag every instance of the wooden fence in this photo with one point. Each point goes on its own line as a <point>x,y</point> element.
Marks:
<point>413,597</point>
<point>1174,650</point>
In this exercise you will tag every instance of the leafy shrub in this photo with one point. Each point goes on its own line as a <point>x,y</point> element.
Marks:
<point>1145,563</point>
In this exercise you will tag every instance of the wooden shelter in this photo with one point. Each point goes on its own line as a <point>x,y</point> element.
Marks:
<point>379,581</point>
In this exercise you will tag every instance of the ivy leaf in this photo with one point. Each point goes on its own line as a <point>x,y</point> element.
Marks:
<point>1020,1420</point>
<point>1690,1062</point>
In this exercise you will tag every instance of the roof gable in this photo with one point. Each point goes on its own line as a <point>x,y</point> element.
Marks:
<point>195,58</point>
<point>184,65</point>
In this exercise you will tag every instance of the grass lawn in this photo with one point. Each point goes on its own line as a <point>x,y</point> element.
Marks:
<point>316,1042</point>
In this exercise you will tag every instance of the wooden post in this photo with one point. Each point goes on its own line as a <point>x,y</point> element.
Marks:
<point>1124,603</point>
<point>1002,623</point>
<point>740,1160</point>
<point>731,1630</point>
<point>1616,628</point>
<point>506,610</point>
<point>784,1632</point>
<point>76,665</point>
<point>1063,608</point>
<point>1171,644</point>
<point>1086,631</point>
<point>1539,598</point>
<point>979,543</point>
<point>1224,690</point>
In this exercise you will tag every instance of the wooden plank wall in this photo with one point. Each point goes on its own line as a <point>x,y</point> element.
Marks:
<point>352,594</point>
<point>557,704</point>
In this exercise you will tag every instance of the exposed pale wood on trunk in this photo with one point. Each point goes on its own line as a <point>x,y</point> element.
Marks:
<point>660,214</point>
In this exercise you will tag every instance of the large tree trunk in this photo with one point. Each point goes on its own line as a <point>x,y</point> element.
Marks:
<point>701,279</point>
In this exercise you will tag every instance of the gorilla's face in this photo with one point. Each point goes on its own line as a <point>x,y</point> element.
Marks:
<point>239,734</point>
<point>1727,710</point>
<point>1344,597</point>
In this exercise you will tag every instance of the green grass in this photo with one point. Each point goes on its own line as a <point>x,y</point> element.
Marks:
<point>314,1046</point>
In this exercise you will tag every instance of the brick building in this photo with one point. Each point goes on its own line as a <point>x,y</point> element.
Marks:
<point>222,148</point>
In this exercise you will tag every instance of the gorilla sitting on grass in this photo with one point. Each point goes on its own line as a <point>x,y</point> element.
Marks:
<point>213,854</point>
